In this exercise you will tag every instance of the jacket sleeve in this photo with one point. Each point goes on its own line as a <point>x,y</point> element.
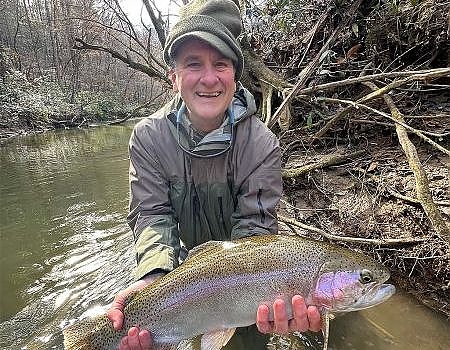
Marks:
<point>151,215</point>
<point>258,181</point>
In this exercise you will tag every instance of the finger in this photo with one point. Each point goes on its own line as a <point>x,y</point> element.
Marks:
<point>262,319</point>
<point>115,313</point>
<point>300,321</point>
<point>116,317</point>
<point>133,339</point>
<point>145,339</point>
<point>123,345</point>
<point>315,323</point>
<point>280,317</point>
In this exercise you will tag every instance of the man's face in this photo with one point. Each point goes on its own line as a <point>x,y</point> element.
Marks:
<point>205,80</point>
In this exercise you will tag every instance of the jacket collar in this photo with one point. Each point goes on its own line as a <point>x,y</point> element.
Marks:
<point>218,141</point>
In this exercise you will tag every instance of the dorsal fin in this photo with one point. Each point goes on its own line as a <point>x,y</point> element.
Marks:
<point>203,248</point>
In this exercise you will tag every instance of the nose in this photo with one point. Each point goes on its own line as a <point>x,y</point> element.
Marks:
<point>209,75</point>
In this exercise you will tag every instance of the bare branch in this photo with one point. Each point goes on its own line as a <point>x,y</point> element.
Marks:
<point>158,23</point>
<point>149,70</point>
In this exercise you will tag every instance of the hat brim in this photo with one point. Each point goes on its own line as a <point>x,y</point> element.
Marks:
<point>209,38</point>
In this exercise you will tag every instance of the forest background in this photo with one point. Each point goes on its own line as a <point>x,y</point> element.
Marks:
<point>358,93</point>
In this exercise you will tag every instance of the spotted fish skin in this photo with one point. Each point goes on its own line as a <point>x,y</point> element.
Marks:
<point>221,285</point>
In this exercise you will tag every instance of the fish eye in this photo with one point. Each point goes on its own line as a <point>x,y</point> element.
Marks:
<point>365,276</point>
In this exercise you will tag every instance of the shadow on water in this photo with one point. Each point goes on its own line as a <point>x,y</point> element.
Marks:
<point>66,249</point>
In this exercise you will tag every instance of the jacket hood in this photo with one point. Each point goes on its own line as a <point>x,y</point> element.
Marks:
<point>217,141</point>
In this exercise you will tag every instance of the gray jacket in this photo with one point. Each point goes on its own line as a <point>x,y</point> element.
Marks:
<point>181,190</point>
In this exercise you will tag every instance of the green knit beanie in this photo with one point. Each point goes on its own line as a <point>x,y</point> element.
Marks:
<point>218,22</point>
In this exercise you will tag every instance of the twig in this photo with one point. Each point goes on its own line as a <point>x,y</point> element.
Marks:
<point>382,242</point>
<point>309,69</point>
<point>313,34</point>
<point>134,111</point>
<point>380,92</point>
<point>419,133</point>
<point>375,122</point>
<point>357,105</point>
<point>389,190</point>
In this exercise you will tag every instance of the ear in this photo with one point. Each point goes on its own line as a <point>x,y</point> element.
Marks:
<point>173,79</point>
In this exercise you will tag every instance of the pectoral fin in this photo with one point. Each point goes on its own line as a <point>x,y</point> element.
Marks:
<point>326,316</point>
<point>216,340</point>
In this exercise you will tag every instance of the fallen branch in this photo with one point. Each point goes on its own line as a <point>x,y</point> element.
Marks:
<point>401,122</point>
<point>413,75</point>
<point>382,242</point>
<point>430,74</point>
<point>134,111</point>
<point>325,161</point>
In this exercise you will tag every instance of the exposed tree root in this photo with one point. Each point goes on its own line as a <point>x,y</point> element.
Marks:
<point>385,242</point>
<point>422,185</point>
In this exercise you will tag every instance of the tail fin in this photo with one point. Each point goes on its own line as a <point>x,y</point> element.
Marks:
<point>89,334</point>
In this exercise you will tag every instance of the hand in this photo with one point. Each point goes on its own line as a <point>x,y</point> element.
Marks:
<point>136,339</point>
<point>304,317</point>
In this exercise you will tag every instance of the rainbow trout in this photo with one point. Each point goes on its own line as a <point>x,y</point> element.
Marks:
<point>221,284</point>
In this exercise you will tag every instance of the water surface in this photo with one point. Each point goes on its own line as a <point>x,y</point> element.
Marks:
<point>66,250</point>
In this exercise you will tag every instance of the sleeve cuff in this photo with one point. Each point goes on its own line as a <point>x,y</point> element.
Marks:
<point>160,258</point>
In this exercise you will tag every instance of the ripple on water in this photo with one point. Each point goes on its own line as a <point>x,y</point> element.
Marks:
<point>96,266</point>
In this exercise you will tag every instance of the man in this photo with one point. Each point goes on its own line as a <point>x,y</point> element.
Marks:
<point>204,167</point>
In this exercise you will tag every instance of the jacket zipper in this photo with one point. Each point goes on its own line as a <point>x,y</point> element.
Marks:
<point>221,218</point>
<point>261,208</point>
<point>196,212</point>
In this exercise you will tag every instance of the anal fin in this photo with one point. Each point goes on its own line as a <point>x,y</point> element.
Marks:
<point>217,339</point>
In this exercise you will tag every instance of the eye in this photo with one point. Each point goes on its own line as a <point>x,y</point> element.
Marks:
<point>194,65</point>
<point>365,277</point>
<point>223,65</point>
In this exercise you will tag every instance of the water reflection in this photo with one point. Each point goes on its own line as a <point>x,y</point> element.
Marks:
<point>66,249</point>
<point>65,244</point>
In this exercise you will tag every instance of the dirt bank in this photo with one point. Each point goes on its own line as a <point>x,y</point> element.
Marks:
<point>372,197</point>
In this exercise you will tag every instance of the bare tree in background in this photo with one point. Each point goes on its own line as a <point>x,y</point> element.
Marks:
<point>139,47</point>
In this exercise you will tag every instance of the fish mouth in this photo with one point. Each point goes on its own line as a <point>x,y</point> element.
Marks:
<point>377,294</point>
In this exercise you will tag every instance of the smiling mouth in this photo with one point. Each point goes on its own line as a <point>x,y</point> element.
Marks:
<point>209,94</point>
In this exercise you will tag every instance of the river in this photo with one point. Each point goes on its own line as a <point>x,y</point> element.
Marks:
<point>66,249</point>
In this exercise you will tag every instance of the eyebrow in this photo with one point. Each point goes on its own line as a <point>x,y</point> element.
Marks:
<point>191,57</point>
<point>198,57</point>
